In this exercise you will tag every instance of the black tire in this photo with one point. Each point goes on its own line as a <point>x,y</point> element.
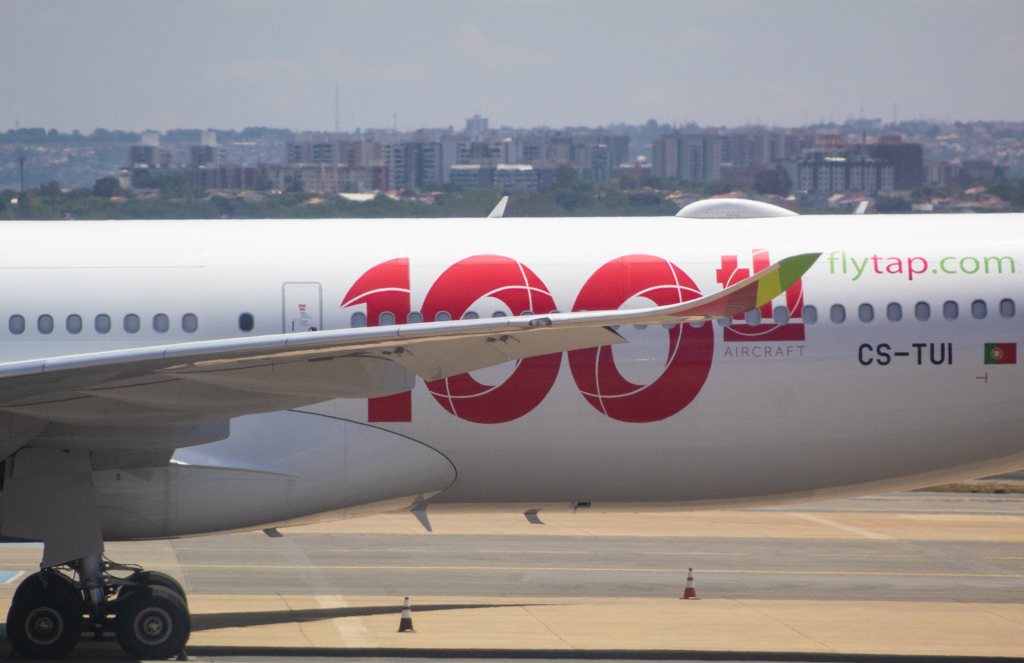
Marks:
<point>156,579</point>
<point>153,623</point>
<point>46,616</point>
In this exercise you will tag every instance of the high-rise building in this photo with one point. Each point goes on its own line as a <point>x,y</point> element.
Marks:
<point>207,153</point>
<point>832,174</point>
<point>413,164</point>
<point>515,177</point>
<point>147,154</point>
<point>689,157</point>
<point>476,125</point>
<point>907,160</point>
<point>471,176</point>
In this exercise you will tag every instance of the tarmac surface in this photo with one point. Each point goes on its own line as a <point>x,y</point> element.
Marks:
<point>905,576</point>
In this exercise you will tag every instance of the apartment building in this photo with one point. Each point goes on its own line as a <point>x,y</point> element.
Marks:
<point>688,157</point>
<point>835,174</point>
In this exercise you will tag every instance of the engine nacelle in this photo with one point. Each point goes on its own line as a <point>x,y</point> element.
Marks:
<point>274,469</point>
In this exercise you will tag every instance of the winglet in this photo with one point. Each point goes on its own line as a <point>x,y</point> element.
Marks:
<point>789,272</point>
<point>751,292</point>
<point>499,209</point>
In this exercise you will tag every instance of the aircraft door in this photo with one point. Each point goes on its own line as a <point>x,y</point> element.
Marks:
<point>302,307</point>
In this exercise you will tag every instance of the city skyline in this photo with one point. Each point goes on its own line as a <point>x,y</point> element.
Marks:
<point>530,63</point>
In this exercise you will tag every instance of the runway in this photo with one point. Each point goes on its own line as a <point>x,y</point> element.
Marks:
<point>908,574</point>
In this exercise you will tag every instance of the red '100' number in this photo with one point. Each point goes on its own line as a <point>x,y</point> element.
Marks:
<point>690,349</point>
<point>518,288</point>
<point>688,362</point>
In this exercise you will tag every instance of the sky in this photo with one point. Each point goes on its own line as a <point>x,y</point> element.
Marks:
<point>228,64</point>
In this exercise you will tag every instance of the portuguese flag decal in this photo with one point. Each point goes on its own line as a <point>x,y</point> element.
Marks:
<point>1000,353</point>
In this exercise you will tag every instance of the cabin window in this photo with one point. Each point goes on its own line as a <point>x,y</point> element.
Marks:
<point>246,322</point>
<point>442,316</point>
<point>950,310</point>
<point>131,323</point>
<point>809,315</point>
<point>979,309</point>
<point>45,324</point>
<point>696,324</point>
<point>470,315</point>
<point>894,312</point>
<point>498,314</point>
<point>16,324</point>
<point>526,313</point>
<point>837,314</point>
<point>161,323</point>
<point>73,324</point>
<point>865,312</point>
<point>189,323</point>
<point>102,323</point>
<point>1007,308</point>
<point>386,319</point>
<point>780,315</point>
<point>640,327</point>
<point>358,319</point>
<point>752,317</point>
<point>724,322</point>
<point>414,318</point>
<point>922,311</point>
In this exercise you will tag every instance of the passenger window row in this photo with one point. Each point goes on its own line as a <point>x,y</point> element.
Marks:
<point>102,323</point>
<point>131,323</point>
<point>922,311</point>
<point>866,312</point>
<point>388,318</point>
<point>780,315</point>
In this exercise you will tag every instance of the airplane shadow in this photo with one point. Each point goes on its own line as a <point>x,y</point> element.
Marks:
<point>218,620</point>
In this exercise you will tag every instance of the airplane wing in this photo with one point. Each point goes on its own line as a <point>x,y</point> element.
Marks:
<point>192,384</point>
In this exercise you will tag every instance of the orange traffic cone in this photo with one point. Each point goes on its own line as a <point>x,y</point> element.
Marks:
<point>690,592</point>
<point>405,626</point>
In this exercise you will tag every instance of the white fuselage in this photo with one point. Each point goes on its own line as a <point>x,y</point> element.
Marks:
<point>720,416</point>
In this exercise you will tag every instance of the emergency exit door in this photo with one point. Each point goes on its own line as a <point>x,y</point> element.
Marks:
<point>302,307</point>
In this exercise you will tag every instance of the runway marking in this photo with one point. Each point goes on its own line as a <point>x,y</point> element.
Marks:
<point>541,552</point>
<point>846,528</point>
<point>375,550</point>
<point>607,570</point>
<point>351,629</point>
<point>7,577</point>
<point>693,553</point>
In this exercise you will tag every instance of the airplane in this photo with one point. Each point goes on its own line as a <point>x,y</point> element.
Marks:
<point>165,379</point>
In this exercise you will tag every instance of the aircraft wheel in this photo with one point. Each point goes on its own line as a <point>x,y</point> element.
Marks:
<point>46,617</point>
<point>153,623</point>
<point>156,579</point>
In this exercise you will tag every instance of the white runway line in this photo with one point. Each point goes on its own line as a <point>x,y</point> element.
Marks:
<point>846,528</point>
<point>351,629</point>
<point>14,577</point>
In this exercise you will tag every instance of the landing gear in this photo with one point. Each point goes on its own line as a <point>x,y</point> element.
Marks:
<point>147,610</point>
<point>46,616</point>
<point>155,579</point>
<point>152,623</point>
